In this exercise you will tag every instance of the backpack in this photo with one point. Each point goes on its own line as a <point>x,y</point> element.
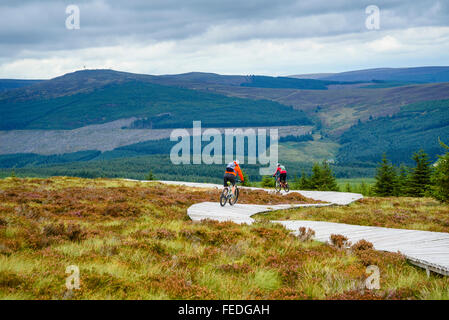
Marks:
<point>230,167</point>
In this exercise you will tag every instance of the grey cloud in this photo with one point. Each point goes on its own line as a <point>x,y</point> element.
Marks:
<point>39,26</point>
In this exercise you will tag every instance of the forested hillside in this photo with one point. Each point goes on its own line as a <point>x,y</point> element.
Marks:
<point>7,84</point>
<point>140,99</point>
<point>287,83</point>
<point>416,126</point>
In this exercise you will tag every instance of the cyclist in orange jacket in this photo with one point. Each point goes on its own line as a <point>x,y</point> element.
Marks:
<point>232,169</point>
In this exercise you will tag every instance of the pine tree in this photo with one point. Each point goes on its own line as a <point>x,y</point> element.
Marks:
<point>315,178</point>
<point>403,180</point>
<point>419,182</point>
<point>328,181</point>
<point>150,176</point>
<point>440,177</point>
<point>268,182</point>
<point>304,182</point>
<point>386,180</point>
<point>348,187</point>
<point>322,178</point>
<point>294,185</point>
<point>364,189</point>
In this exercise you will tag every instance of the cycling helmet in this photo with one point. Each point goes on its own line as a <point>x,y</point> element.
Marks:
<point>278,164</point>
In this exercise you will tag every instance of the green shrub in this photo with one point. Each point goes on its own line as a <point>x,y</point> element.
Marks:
<point>268,182</point>
<point>440,177</point>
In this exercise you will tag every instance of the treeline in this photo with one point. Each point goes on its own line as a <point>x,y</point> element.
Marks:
<point>137,167</point>
<point>290,83</point>
<point>21,160</point>
<point>290,138</point>
<point>322,178</point>
<point>415,126</point>
<point>150,147</point>
<point>421,180</point>
<point>363,188</point>
<point>286,83</point>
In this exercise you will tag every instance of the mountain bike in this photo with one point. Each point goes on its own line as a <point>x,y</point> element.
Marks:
<point>227,196</point>
<point>279,185</point>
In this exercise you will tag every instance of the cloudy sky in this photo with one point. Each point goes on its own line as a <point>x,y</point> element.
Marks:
<point>228,36</point>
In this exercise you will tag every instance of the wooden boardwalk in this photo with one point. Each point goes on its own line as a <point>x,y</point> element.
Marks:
<point>239,213</point>
<point>333,197</point>
<point>429,250</point>
<point>426,249</point>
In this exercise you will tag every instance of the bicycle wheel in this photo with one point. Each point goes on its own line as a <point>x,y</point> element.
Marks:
<point>286,187</point>
<point>277,186</point>
<point>224,197</point>
<point>234,199</point>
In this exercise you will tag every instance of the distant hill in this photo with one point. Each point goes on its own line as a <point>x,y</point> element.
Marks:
<point>311,75</point>
<point>7,84</point>
<point>201,78</point>
<point>338,109</point>
<point>196,79</point>
<point>86,81</point>
<point>83,81</point>
<point>93,97</point>
<point>287,83</point>
<point>417,75</point>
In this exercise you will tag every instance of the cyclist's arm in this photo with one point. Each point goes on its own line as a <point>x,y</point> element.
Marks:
<point>239,171</point>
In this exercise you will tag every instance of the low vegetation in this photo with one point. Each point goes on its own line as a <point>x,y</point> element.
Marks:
<point>134,240</point>
<point>393,212</point>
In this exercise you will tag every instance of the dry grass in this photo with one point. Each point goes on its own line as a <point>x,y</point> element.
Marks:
<point>134,241</point>
<point>403,213</point>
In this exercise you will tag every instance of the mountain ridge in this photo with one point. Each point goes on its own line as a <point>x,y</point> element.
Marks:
<point>427,74</point>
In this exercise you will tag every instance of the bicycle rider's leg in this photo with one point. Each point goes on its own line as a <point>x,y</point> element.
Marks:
<point>231,178</point>
<point>225,181</point>
<point>283,178</point>
<point>233,184</point>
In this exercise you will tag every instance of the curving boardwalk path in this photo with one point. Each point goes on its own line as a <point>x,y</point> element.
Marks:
<point>429,250</point>
<point>239,213</point>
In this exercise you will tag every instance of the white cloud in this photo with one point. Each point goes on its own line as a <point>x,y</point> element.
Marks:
<point>385,44</point>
